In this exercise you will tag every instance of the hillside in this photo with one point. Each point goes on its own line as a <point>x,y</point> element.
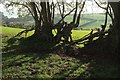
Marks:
<point>88,21</point>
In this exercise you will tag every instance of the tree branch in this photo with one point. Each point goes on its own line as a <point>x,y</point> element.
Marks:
<point>87,37</point>
<point>16,3</point>
<point>99,5</point>
<point>63,9</point>
<point>65,16</point>
<point>110,13</point>
<point>33,7</point>
<point>38,9</point>
<point>59,9</point>
<point>78,19</point>
<point>24,31</point>
<point>75,14</point>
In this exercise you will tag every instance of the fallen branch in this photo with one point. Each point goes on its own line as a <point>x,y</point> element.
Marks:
<point>97,34</point>
<point>13,39</point>
<point>25,31</point>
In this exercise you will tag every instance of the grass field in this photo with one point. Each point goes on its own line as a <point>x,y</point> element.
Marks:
<point>38,65</point>
<point>10,32</point>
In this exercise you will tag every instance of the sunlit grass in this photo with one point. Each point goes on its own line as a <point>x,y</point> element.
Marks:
<point>76,34</point>
<point>12,31</point>
<point>8,32</point>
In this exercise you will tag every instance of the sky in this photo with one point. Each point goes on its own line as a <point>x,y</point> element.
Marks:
<point>3,9</point>
<point>90,7</point>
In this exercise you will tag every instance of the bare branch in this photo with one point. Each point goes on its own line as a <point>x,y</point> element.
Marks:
<point>33,6</point>
<point>65,16</point>
<point>38,9</point>
<point>69,5</point>
<point>59,8</point>
<point>63,9</point>
<point>106,17</point>
<point>24,31</point>
<point>30,11</point>
<point>99,5</point>
<point>53,12</point>
<point>75,14</point>
<point>78,19</point>
<point>48,12</point>
<point>87,37</point>
<point>110,13</point>
<point>27,6</point>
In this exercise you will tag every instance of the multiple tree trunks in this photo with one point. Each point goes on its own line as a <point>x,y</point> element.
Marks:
<point>43,14</point>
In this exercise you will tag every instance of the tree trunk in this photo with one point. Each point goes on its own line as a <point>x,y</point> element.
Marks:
<point>116,25</point>
<point>75,14</point>
<point>44,31</point>
<point>37,30</point>
<point>37,23</point>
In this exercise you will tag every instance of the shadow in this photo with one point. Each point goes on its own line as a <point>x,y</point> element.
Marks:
<point>100,65</point>
<point>27,45</point>
<point>102,62</point>
<point>12,59</point>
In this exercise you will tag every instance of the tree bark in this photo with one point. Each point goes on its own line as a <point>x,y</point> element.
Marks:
<point>116,25</point>
<point>75,14</point>
<point>79,15</point>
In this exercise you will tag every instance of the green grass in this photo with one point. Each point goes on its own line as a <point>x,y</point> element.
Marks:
<point>7,33</point>
<point>34,65</point>
<point>77,34</point>
<point>10,32</point>
<point>38,65</point>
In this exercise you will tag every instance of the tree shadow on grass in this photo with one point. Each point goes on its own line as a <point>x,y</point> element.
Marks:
<point>26,45</point>
<point>101,63</point>
<point>21,63</point>
<point>17,58</point>
<point>95,62</point>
